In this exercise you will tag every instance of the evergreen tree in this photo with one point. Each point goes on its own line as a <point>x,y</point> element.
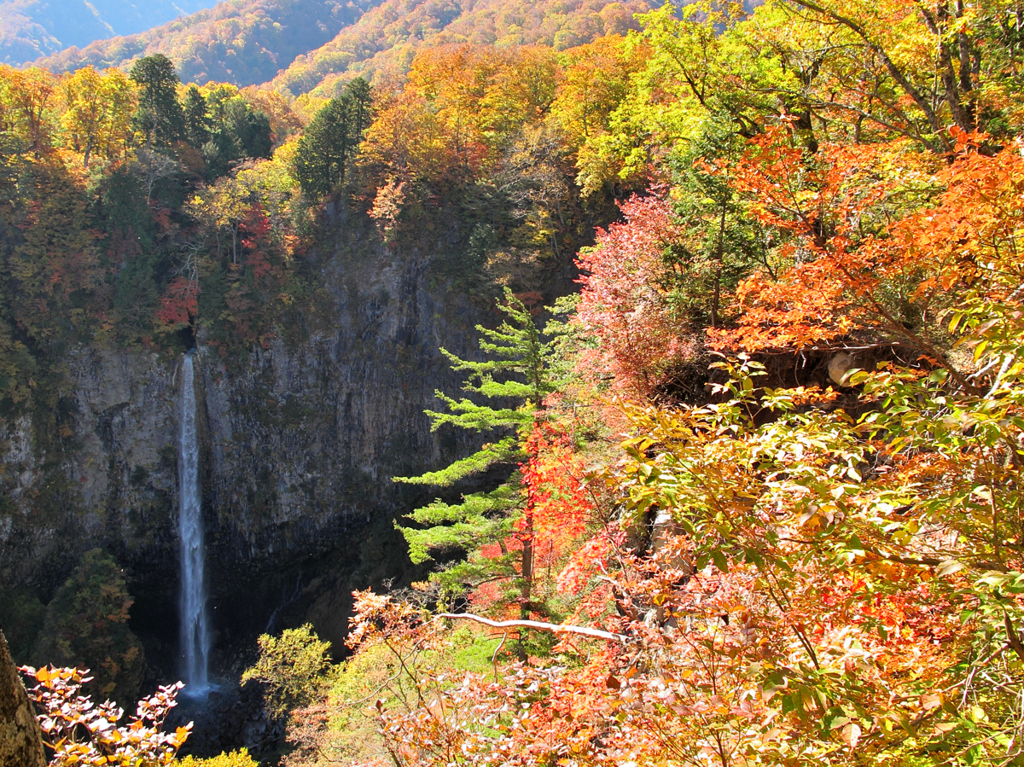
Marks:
<point>249,129</point>
<point>330,141</point>
<point>159,115</point>
<point>197,120</point>
<point>516,378</point>
<point>86,624</point>
<point>322,151</point>
<point>360,103</point>
<point>236,131</point>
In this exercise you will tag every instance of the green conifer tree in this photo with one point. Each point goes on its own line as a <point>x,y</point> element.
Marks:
<point>159,115</point>
<point>515,378</point>
<point>330,141</point>
<point>197,119</point>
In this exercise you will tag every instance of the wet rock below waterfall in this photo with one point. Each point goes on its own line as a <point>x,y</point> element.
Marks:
<point>229,718</point>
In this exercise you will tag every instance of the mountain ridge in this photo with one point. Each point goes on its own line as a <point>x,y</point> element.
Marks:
<point>302,46</point>
<point>386,39</point>
<point>33,28</point>
<point>244,42</point>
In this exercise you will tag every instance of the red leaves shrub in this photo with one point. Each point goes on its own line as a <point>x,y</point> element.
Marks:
<point>623,303</point>
<point>180,303</point>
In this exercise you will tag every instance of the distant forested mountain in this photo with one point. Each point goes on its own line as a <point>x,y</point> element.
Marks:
<point>319,45</point>
<point>33,28</point>
<point>386,39</point>
<point>244,42</point>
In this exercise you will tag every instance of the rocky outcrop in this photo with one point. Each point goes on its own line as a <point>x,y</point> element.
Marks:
<point>21,742</point>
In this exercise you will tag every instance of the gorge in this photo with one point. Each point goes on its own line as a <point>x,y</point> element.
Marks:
<point>294,444</point>
<point>574,387</point>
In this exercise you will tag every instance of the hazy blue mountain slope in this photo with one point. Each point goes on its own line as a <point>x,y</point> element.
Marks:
<point>244,42</point>
<point>33,28</point>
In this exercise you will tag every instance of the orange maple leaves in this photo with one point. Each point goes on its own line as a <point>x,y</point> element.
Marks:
<point>861,258</point>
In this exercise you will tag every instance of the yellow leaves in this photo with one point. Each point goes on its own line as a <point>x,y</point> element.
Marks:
<point>462,103</point>
<point>97,112</point>
<point>887,570</point>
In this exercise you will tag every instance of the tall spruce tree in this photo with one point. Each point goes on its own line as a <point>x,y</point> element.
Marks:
<point>515,378</point>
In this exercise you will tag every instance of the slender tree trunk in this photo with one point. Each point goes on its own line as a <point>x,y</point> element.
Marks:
<point>526,590</point>
<point>719,257</point>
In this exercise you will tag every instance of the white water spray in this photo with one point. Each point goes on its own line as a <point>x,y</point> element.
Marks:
<point>195,635</point>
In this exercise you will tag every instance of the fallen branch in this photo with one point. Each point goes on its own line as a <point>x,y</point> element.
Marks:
<point>555,628</point>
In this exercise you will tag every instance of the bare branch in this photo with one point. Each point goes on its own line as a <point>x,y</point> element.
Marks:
<point>555,628</point>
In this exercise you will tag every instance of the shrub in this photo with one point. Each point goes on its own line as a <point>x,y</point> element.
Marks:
<point>82,734</point>
<point>293,668</point>
<point>238,758</point>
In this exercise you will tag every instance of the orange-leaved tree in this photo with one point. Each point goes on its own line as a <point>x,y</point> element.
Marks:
<point>849,267</point>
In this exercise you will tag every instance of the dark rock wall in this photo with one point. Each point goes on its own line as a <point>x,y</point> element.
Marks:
<point>300,441</point>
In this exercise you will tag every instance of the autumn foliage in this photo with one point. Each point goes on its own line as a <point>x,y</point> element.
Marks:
<point>777,524</point>
<point>79,732</point>
<point>623,302</point>
<point>809,562</point>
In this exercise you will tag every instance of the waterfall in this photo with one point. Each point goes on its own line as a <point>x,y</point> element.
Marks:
<point>195,636</point>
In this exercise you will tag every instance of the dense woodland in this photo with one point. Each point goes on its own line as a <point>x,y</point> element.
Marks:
<point>764,500</point>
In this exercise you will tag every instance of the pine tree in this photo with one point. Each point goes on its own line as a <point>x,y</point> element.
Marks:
<point>197,121</point>
<point>515,378</point>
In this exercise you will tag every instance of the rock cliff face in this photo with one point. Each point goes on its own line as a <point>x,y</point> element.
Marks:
<point>21,742</point>
<point>299,442</point>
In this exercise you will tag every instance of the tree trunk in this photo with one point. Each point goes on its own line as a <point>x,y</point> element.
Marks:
<point>719,258</point>
<point>21,741</point>
<point>526,591</point>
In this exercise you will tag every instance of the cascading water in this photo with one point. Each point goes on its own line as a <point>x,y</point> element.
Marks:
<point>195,635</point>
